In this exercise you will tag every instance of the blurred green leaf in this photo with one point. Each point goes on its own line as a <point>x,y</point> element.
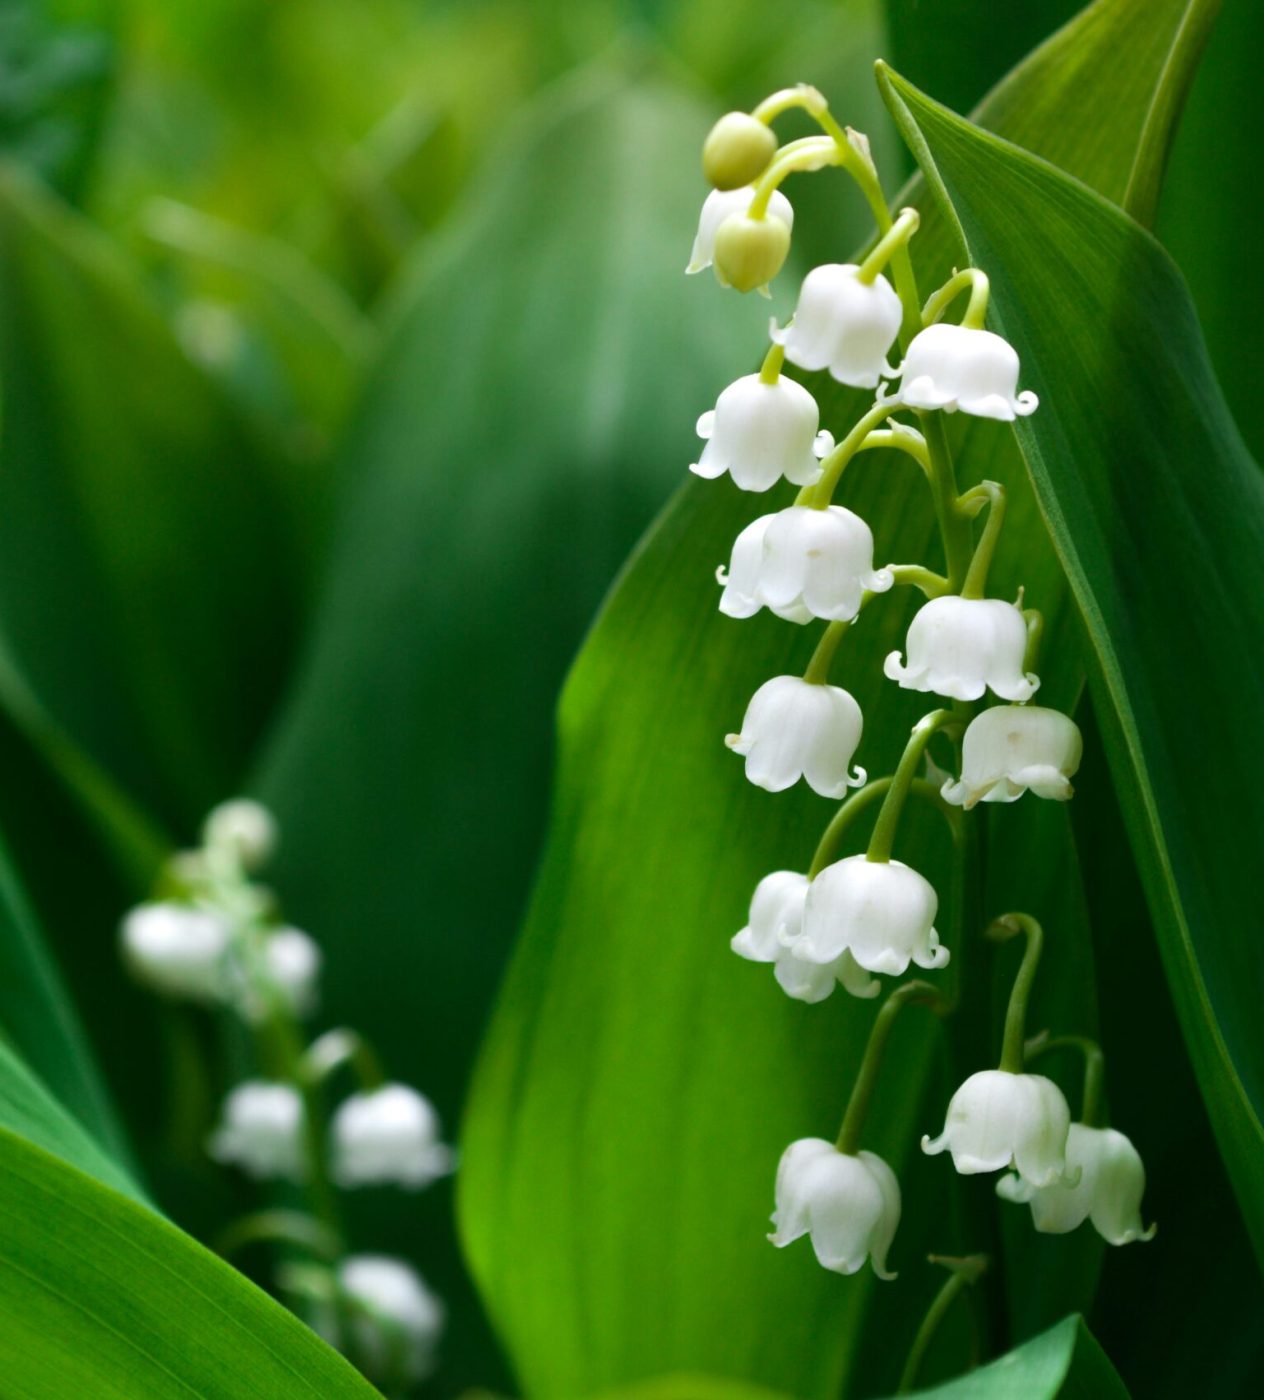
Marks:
<point>146,565</point>
<point>639,1082</point>
<point>1143,478</point>
<point>99,1296</point>
<point>37,1017</point>
<point>1066,1360</point>
<point>682,1386</point>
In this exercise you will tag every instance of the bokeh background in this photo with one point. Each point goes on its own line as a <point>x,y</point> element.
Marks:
<point>344,356</point>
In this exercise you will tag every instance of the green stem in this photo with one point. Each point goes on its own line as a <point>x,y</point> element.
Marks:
<point>885,827</point>
<point>964,1272</point>
<point>835,464</point>
<point>811,153</point>
<point>897,236</point>
<point>991,494</point>
<point>1035,621</point>
<point>342,1047</point>
<point>818,668</point>
<point>898,438</point>
<point>279,1227</point>
<point>1009,926</point>
<point>770,370</point>
<point>1094,1070</point>
<point>954,528</point>
<point>976,311</point>
<point>858,803</point>
<point>803,96</point>
<point>933,585</point>
<point>848,1140</point>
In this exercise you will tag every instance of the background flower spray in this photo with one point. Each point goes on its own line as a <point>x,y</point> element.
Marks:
<point>848,919</point>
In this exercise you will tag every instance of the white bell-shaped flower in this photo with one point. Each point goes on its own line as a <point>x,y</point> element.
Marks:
<point>800,729</point>
<point>388,1135</point>
<point>959,647</point>
<point>960,367</point>
<point>177,950</point>
<point>261,1131</point>
<point>1109,1190</point>
<point>997,1119</point>
<point>759,433</point>
<point>293,962</point>
<point>1011,749</point>
<point>848,1205</point>
<point>802,563</point>
<point>717,207</point>
<point>882,912</point>
<point>390,1305</point>
<point>843,325</point>
<point>775,923</point>
<point>243,827</point>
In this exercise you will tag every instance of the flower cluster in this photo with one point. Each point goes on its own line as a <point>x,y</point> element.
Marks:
<point>214,937</point>
<point>852,919</point>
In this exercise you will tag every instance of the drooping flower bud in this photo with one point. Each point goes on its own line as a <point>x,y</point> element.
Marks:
<point>960,647</point>
<point>261,1131</point>
<point>389,1305</point>
<point>737,151</point>
<point>243,827</point>
<point>882,912</point>
<point>759,433</point>
<point>802,563</point>
<point>717,207</point>
<point>388,1135</point>
<point>843,325</point>
<point>1109,1191</point>
<point>293,962</point>
<point>848,1205</point>
<point>1011,749</point>
<point>959,367</point>
<point>750,252</point>
<point>797,729</point>
<point>775,923</point>
<point>997,1119</point>
<point>177,950</point>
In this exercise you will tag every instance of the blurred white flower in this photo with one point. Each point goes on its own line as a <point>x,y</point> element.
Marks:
<point>802,563</point>
<point>293,962</point>
<point>390,1306</point>
<point>717,207</point>
<point>959,367</point>
<point>849,1205</point>
<point>244,828</point>
<point>177,949</point>
<point>261,1131</point>
<point>843,325</point>
<point>775,923</point>
<point>1109,1191</point>
<point>997,1119</point>
<point>760,432</point>
<point>388,1135</point>
<point>1011,749</point>
<point>959,647</point>
<point>800,729</point>
<point>882,912</point>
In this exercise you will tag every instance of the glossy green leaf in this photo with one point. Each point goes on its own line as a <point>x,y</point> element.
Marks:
<point>1157,512</point>
<point>99,1296</point>
<point>146,574</point>
<point>38,1019</point>
<point>1065,1361</point>
<point>639,1082</point>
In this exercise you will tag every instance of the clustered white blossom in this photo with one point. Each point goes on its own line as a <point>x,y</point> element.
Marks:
<point>853,918</point>
<point>212,937</point>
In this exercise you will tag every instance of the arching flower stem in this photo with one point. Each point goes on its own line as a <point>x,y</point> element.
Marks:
<point>1001,931</point>
<point>867,1077</point>
<point>955,529</point>
<point>897,236</point>
<point>963,1272</point>
<point>290,1227</point>
<point>770,370</point>
<point>810,153</point>
<point>818,667</point>
<point>329,1052</point>
<point>1035,621</point>
<point>858,803</point>
<point>976,310</point>
<point>992,495</point>
<point>1091,1114</point>
<point>832,468</point>
<point>885,827</point>
<point>931,584</point>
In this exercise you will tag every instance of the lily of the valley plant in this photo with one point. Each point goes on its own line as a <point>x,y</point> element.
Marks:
<point>862,918</point>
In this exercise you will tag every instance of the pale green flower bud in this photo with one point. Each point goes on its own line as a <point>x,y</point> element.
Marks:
<point>749,253</point>
<point>737,151</point>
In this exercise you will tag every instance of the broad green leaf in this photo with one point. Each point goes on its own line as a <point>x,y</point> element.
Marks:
<point>99,1296</point>
<point>38,1019</point>
<point>639,1083</point>
<point>146,574</point>
<point>1066,1360</point>
<point>681,1386</point>
<point>1143,478</point>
